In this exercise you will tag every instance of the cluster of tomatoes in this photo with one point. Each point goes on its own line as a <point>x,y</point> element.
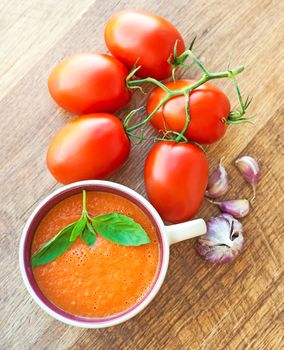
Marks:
<point>95,144</point>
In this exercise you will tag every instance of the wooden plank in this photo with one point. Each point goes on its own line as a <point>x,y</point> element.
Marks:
<point>28,29</point>
<point>200,306</point>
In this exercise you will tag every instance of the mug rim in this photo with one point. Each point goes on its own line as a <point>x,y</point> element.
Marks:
<point>80,321</point>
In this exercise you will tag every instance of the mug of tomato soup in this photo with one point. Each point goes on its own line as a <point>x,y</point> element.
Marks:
<point>105,284</point>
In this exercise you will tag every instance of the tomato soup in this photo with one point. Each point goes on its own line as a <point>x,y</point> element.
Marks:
<point>102,280</point>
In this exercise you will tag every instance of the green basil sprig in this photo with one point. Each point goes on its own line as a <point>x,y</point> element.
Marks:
<point>115,227</point>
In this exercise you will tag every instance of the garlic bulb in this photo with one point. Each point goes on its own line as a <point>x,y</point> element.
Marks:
<point>218,182</point>
<point>223,240</point>
<point>249,168</point>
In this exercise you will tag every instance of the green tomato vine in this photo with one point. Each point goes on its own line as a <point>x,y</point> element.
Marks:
<point>236,116</point>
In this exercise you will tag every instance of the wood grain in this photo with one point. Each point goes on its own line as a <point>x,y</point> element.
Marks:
<point>200,306</point>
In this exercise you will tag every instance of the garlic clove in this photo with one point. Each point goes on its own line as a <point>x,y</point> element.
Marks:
<point>249,168</point>
<point>223,240</point>
<point>218,182</point>
<point>239,208</point>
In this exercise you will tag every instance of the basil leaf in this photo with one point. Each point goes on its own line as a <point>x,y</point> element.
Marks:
<point>53,248</point>
<point>78,229</point>
<point>120,229</point>
<point>88,235</point>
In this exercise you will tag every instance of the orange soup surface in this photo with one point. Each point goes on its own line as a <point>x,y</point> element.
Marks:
<point>102,280</point>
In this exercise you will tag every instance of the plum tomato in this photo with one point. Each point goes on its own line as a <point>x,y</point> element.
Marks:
<point>89,83</point>
<point>89,147</point>
<point>209,108</point>
<point>176,177</point>
<point>140,38</point>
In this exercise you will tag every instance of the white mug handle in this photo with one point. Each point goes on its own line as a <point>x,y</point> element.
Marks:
<point>185,230</point>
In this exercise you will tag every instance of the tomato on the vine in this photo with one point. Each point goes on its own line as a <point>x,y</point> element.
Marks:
<point>140,38</point>
<point>176,177</point>
<point>88,83</point>
<point>89,147</point>
<point>209,109</point>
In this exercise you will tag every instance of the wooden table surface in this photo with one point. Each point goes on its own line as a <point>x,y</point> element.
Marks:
<point>200,306</point>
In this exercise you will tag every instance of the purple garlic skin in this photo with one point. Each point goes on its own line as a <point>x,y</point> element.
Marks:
<point>218,182</point>
<point>223,240</point>
<point>239,208</point>
<point>249,168</point>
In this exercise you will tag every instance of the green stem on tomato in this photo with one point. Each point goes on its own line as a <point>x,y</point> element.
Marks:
<point>146,120</point>
<point>134,83</point>
<point>187,112</point>
<point>235,116</point>
<point>171,93</point>
<point>183,57</point>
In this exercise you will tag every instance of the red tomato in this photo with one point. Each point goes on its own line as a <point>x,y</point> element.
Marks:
<point>88,83</point>
<point>209,108</point>
<point>175,179</point>
<point>140,38</point>
<point>89,147</point>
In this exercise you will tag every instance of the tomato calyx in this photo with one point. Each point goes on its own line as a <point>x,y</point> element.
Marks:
<point>177,137</point>
<point>179,61</point>
<point>235,117</point>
